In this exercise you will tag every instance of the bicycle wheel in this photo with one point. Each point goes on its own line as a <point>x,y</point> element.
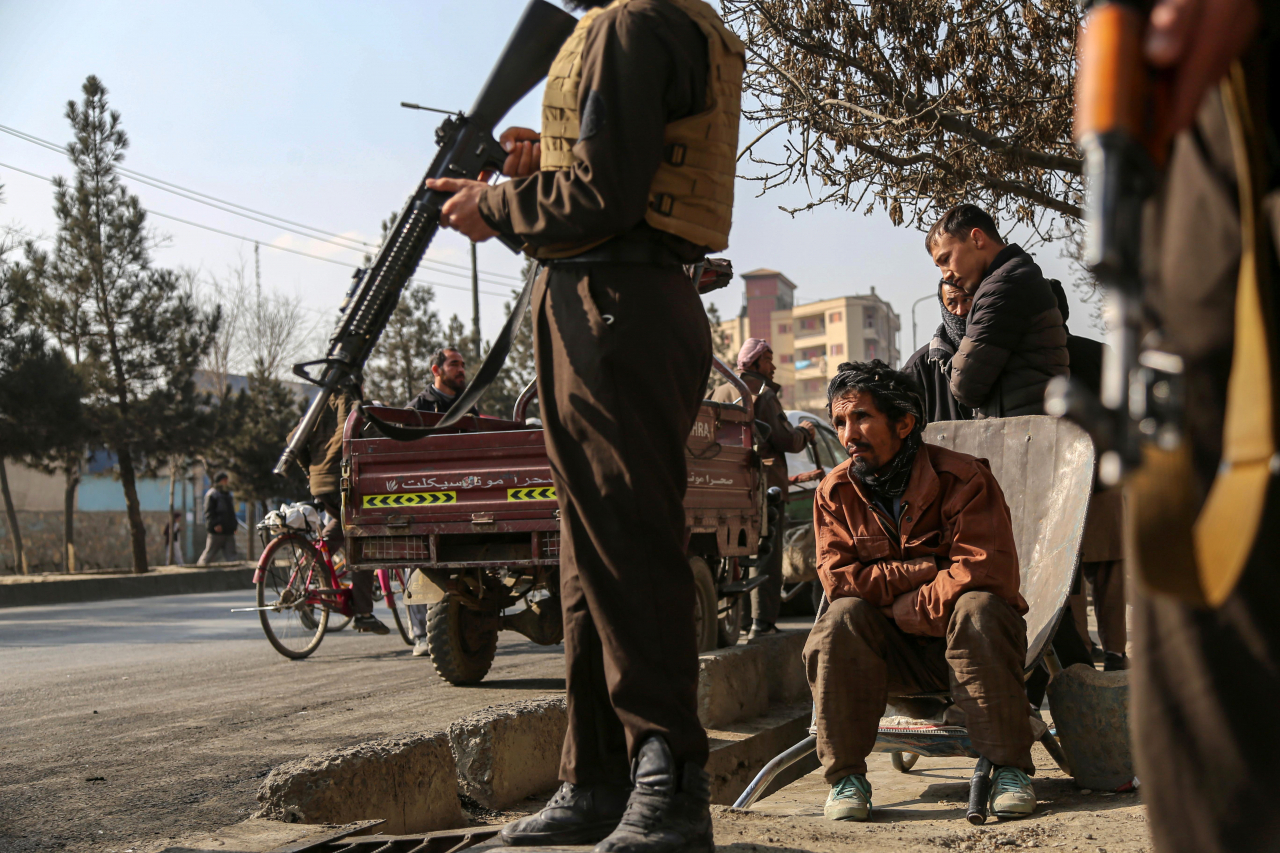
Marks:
<point>395,579</point>
<point>292,577</point>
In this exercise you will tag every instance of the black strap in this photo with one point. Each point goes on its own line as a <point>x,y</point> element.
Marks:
<point>480,382</point>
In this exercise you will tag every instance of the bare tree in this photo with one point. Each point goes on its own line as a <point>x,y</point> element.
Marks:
<point>916,105</point>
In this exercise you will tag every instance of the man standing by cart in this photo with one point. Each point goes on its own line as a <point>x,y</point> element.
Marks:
<point>637,151</point>
<point>756,368</point>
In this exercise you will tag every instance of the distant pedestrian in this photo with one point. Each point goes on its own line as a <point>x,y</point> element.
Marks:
<point>220,522</point>
<point>173,541</point>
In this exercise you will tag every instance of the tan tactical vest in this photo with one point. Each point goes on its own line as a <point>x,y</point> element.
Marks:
<point>692,192</point>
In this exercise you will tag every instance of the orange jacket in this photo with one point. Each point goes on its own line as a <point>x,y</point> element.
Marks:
<point>955,535</point>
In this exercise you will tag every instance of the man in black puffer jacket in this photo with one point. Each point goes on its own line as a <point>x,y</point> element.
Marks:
<point>1015,338</point>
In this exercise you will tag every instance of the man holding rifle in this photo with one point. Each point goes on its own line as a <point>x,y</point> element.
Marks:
<point>1207,639</point>
<point>637,153</point>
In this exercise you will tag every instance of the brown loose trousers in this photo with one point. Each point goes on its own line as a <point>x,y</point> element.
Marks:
<point>1206,682</point>
<point>856,658</point>
<point>623,351</point>
<point>617,408</point>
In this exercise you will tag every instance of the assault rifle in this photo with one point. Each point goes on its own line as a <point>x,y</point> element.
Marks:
<point>1119,130</point>
<point>467,149</point>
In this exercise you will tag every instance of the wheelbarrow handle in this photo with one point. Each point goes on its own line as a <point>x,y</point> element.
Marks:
<point>979,792</point>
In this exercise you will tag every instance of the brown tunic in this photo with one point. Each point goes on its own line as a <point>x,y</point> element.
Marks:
<point>783,439</point>
<point>644,65</point>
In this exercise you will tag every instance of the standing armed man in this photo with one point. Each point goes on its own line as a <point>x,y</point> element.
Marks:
<point>638,145</point>
<point>756,368</point>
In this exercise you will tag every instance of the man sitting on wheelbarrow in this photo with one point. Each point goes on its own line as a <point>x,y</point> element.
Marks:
<point>916,555</point>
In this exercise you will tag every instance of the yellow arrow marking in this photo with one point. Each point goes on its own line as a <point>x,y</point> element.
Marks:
<point>409,499</point>
<point>542,493</point>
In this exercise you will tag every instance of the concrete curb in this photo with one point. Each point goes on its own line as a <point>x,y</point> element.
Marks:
<point>410,782</point>
<point>68,589</point>
<point>507,753</point>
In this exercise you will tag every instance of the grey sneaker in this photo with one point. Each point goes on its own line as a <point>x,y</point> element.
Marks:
<point>1011,793</point>
<point>420,647</point>
<point>850,799</point>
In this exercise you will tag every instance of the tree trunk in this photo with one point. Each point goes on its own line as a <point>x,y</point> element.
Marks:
<point>250,519</point>
<point>19,558</point>
<point>137,530</point>
<point>171,528</point>
<point>69,516</point>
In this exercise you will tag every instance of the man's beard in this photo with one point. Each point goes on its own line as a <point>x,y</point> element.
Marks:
<point>863,467</point>
<point>456,386</point>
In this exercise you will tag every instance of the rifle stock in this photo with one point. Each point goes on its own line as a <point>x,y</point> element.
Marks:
<point>466,149</point>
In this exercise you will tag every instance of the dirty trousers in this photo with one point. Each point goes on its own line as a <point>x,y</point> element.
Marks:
<point>1106,582</point>
<point>856,658</point>
<point>766,599</point>
<point>623,353</point>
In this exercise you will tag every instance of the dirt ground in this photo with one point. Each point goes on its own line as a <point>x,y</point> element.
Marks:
<point>925,810</point>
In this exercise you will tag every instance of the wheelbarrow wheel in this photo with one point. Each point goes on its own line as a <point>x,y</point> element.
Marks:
<point>903,761</point>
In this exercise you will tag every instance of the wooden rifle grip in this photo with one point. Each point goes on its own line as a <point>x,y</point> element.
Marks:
<point>1116,91</point>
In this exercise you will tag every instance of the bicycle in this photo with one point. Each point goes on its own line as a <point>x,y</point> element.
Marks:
<point>298,585</point>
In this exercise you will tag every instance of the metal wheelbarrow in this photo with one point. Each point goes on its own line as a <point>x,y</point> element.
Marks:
<point>1045,468</point>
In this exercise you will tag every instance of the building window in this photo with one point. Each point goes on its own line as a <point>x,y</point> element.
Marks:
<point>837,349</point>
<point>835,317</point>
<point>785,358</point>
<point>871,350</point>
<point>813,386</point>
<point>869,318</point>
<point>784,328</point>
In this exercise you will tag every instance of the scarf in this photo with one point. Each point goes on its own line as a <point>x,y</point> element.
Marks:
<point>890,481</point>
<point>952,328</point>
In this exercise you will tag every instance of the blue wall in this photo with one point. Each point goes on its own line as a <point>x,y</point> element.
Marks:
<point>106,494</point>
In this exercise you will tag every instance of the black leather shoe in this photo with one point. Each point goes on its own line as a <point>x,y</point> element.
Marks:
<point>669,810</point>
<point>371,624</point>
<point>577,814</point>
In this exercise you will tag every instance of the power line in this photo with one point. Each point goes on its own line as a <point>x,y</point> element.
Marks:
<point>153,212</point>
<point>209,200</point>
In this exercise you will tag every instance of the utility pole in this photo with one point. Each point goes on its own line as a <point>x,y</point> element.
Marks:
<point>475,303</point>
<point>914,345</point>
<point>257,270</point>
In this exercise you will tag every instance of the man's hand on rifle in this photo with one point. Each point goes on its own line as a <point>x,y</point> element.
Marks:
<point>462,211</point>
<point>1197,40</point>
<point>524,152</point>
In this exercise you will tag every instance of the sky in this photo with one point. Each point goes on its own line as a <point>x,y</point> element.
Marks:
<point>292,108</point>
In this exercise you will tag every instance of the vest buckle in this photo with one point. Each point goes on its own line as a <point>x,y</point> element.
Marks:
<point>663,203</point>
<point>675,153</point>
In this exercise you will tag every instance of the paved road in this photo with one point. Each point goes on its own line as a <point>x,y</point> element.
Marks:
<point>181,707</point>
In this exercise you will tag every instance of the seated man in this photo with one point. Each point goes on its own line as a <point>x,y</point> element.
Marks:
<point>917,558</point>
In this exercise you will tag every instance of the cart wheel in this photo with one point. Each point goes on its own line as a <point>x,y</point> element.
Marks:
<point>462,641</point>
<point>729,625</point>
<point>705,615</point>
<point>903,761</point>
<point>293,572</point>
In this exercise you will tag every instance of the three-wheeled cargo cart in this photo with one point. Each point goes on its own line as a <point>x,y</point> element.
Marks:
<point>472,511</point>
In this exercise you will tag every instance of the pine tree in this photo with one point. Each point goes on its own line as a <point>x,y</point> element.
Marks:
<point>139,335</point>
<point>721,347</point>
<point>400,366</point>
<point>255,422</point>
<point>518,371</point>
<point>40,391</point>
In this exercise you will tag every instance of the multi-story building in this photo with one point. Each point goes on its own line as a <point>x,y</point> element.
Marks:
<point>810,340</point>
